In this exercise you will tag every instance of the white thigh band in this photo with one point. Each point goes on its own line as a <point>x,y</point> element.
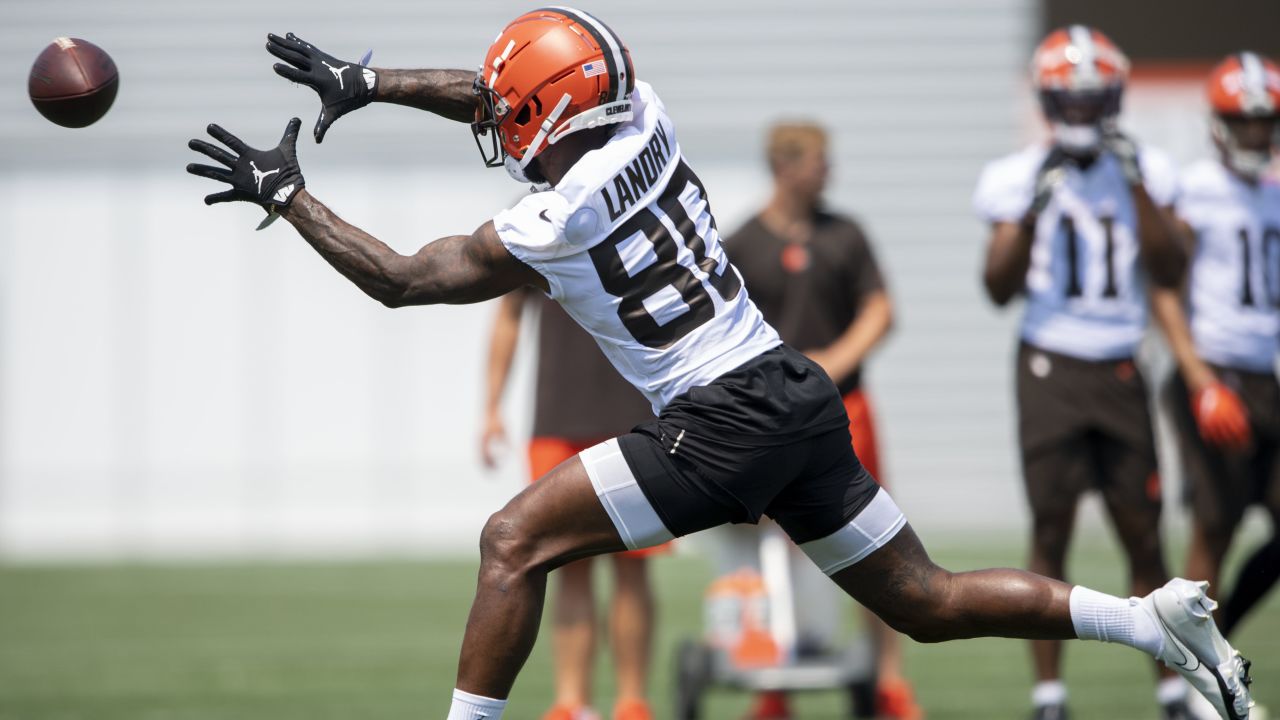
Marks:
<point>874,526</point>
<point>633,516</point>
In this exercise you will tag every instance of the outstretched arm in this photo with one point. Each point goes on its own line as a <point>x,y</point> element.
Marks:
<point>454,270</point>
<point>446,93</point>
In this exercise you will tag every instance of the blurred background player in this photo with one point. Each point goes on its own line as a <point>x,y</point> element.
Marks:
<point>815,279</point>
<point>1074,225</point>
<point>580,400</point>
<point>1225,401</point>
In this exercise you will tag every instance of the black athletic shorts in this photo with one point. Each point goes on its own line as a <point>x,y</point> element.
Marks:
<point>770,437</point>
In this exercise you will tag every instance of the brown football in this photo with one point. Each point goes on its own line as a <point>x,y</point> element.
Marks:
<point>73,82</point>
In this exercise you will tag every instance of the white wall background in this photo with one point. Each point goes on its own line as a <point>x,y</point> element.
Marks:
<point>173,383</point>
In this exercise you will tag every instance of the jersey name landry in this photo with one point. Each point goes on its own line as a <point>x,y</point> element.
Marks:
<point>634,181</point>
<point>629,247</point>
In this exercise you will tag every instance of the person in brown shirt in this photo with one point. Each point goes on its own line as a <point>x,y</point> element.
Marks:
<point>579,401</point>
<point>814,277</point>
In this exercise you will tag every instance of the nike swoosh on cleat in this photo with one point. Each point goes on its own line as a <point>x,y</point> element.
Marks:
<point>1228,697</point>
<point>1164,627</point>
<point>543,215</point>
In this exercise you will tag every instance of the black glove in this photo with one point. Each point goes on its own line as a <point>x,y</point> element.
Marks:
<point>269,178</point>
<point>1047,179</point>
<point>342,86</point>
<point>1126,151</point>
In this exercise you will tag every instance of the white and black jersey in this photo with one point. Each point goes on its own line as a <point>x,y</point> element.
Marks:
<point>746,426</point>
<point>1085,294</point>
<point>629,247</point>
<point>1235,275</point>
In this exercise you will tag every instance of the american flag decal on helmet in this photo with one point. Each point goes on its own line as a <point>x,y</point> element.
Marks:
<point>591,69</point>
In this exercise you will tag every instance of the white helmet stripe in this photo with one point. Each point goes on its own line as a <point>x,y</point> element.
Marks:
<point>1086,65</point>
<point>499,61</point>
<point>1253,84</point>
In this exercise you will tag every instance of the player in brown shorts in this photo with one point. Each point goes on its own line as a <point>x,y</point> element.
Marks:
<point>623,237</point>
<point>815,279</point>
<point>1081,228</point>
<point>1225,400</point>
<point>579,401</point>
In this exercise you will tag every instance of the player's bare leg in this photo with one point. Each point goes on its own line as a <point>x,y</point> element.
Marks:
<point>574,634</point>
<point>631,627</point>
<point>1208,547</point>
<point>1051,536</point>
<point>555,520</point>
<point>914,596</point>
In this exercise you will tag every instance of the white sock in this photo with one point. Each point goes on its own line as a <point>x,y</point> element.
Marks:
<point>1170,690</point>
<point>474,707</point>
<point>1098,616</point>
<point>1048,692</point>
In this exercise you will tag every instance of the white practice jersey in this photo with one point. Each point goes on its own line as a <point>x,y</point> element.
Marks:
<point>1085,291</point>
<point>629,248</point>
<point>1235,276</point>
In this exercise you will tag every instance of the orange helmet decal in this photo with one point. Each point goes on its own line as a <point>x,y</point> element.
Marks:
<point>1245,84</point>
<point>549,73</point>
<point>1078,58</point>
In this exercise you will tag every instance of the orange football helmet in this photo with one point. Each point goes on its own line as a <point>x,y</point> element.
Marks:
<point>1079,75</point>
<point>1244,90</point>
<point>550,73</point>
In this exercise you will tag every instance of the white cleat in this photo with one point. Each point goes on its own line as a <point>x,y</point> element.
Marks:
<point>1195,649</point>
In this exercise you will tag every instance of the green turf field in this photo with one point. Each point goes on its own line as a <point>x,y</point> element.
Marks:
<point>380,640</point>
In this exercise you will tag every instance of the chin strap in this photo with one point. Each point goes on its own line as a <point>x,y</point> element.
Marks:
<point>607,114</point>
<point>545,131</point>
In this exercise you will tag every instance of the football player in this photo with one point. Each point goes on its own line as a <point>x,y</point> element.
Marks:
<point>566,421</point>
<point>625,241</point>
<point>1225,399</point>
<point>1079,227</point>
<point>815,279</point>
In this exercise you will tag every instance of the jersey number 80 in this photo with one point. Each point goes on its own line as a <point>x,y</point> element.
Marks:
<point>672,268</point>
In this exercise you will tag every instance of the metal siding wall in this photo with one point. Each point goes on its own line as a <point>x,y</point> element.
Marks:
<point>224,390</point>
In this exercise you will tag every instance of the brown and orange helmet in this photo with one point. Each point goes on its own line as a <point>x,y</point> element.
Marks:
<point>1079,75</point>
<point>1244,90</point>
<point>550,73</point>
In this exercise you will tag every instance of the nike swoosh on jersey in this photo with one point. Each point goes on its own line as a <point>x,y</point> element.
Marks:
<point>543,215</point>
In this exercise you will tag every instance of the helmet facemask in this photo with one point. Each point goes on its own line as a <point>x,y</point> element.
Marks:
<point>1078,119</point>
<point>1244,145</point>
<point>490,113</point>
